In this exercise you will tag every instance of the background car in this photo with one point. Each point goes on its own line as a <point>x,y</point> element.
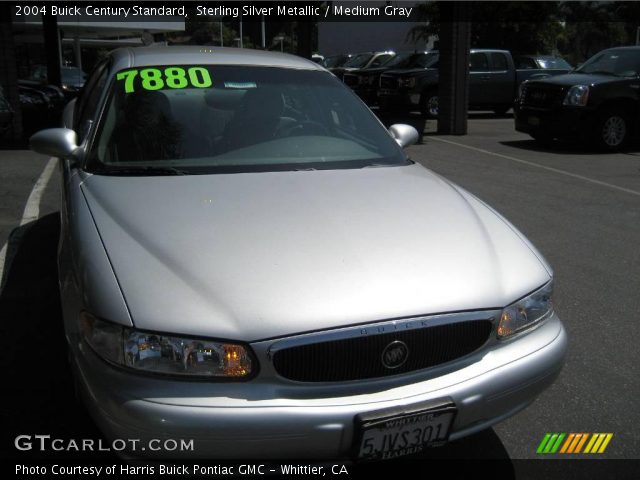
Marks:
<point>362,60</point>
<point>335,61</point>
<point>72,78</point>
<point>545,62</point>
<point>364,82</point>
<point>493,83</point>
<point>596,104</point>
<point>37,110</point>
<point>6,116</point>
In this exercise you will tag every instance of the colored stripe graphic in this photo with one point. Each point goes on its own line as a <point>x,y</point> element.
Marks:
<point>582,442</point>
<point>543,443</point>
<point>573,443</point>
<point>567,443</point>
<point>598,442</point>
<point>556,446</point>
<point>550,443</point>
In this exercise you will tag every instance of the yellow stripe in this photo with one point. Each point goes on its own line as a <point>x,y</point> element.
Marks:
<point>584,439</point>
<point>575,442</point>
<point>567,442</point>
<point>606,442</point>
<point>594,437</point>
<point>595,447</point>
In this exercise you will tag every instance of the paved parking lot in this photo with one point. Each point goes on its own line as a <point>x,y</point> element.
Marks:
<point>581,209</point>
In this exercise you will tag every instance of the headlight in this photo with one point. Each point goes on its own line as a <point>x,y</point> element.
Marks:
<point>162,353</point>
<point>577,96</point>
<point>408,82</point>
<point>526,312</point>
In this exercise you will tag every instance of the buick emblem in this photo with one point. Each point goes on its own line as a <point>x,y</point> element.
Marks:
<point>395,354</point>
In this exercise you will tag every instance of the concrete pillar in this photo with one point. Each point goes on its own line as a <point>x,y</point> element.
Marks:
<point>77,50</point>
<point>305,39</point>
<point>52,49</point>
<point>455,42</point>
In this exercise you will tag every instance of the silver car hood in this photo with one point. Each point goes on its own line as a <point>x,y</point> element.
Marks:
<point>258,255</point>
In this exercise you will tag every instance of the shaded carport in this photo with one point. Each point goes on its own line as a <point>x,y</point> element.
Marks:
<point>454,40</point>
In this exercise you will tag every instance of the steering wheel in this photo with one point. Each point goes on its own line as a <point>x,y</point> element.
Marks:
<point>305,127</point>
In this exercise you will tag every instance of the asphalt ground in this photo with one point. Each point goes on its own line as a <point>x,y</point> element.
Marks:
<point>580,208</point>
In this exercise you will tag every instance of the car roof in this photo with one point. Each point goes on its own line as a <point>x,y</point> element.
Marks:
<point>627,47</point>
<point>206,55</point>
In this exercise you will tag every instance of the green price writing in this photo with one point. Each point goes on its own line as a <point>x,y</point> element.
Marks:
<point>170,77</point>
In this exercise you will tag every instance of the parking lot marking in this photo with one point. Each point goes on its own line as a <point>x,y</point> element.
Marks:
<point>537,165</point>
<point>32,208</point>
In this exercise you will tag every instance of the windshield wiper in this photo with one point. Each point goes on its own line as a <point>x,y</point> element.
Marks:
<point>382,165</point>
<point>140,171</point>
<point>379,165</point>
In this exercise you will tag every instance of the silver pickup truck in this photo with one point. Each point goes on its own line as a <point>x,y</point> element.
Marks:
<point>493,81</point>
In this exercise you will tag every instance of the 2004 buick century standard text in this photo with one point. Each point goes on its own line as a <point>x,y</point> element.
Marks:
<point>249,259</point>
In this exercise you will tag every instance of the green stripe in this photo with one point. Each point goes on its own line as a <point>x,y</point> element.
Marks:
<point>543,443</point>
<point>558,442</point>
<point>547,449</point>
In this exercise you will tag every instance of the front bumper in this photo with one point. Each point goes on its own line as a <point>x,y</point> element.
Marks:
<point>367,94</point>
<point>401,100</point>
<point>265,420</point>
<point>569,123</point>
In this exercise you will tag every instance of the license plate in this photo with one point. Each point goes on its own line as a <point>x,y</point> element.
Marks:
<point>535,121</point>
<point>390,434</point>
<point>387,91</point>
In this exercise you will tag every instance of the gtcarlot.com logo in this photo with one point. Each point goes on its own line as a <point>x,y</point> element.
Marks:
<point>574,443</point>
<point>48,443</point>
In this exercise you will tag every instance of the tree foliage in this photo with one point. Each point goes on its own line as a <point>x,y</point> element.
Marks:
<point>575,30</point>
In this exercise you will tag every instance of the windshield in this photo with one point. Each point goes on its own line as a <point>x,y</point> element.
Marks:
<point>412,60</point>
<point>337,61</point>
<point>200,119</point>
<point>359,60</point>
<point>553,63</point>
<point>623,63</point>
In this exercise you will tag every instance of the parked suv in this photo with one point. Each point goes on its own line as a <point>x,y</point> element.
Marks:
<point>598,102</point>
<point>365,82</point>
<point>493,83</point>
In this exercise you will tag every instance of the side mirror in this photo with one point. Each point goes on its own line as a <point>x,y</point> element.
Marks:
<point>404,135</point>
<point>55,142</point>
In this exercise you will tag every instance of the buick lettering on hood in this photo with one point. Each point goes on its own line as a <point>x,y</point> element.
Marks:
<point>249,259</point>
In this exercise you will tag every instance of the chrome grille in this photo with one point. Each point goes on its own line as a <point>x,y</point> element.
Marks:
<point>351,80</point>
<point>388,82</point>
<point>538,96</point>
<point>362,357</point>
